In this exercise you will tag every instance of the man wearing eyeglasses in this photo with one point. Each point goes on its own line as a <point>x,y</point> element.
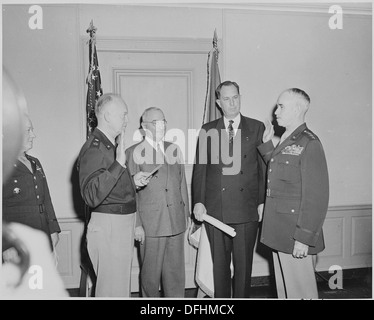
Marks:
<point>163,208</point>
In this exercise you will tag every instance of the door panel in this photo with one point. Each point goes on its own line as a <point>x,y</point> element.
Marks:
<point>169,74</point>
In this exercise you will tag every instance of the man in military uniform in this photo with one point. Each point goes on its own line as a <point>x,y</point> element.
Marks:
<point>297,197</point>
<point>109,190</point>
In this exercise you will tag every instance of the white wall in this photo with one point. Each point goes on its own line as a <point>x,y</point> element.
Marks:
<point>46,64</point>
<point>270,51</point>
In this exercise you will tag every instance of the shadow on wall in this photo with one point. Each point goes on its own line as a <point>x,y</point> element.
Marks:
<point>278,131</point>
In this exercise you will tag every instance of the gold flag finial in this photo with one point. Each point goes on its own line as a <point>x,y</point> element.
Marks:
<point>91,28</point>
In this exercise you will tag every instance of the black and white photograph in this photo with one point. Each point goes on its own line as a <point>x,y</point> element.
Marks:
<point>204,152</point>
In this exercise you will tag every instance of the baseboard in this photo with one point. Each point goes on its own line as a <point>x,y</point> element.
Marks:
<point>348,274</point>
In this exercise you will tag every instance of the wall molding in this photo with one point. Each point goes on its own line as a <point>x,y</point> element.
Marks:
<point>153,45</point>
<point>363,8</point>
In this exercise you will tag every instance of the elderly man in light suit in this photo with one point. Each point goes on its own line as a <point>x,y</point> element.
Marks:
<point>163,209</point>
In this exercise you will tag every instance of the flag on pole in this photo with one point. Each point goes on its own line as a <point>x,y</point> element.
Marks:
<point>211,110</point>
<point>93,81</point>
<point>197,234</point>
<point>94,91</point>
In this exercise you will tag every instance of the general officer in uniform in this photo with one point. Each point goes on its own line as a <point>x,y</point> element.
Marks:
<point>297,197</point>
<point>109,190</point>
<point>163,209</point>
<point>26,197</point>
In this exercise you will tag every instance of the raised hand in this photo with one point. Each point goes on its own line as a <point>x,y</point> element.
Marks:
<point>269,131</point>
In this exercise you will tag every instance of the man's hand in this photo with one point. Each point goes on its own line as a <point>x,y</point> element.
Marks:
<point>55,239</point>
<point>120,153</point>
<point>269,132</point>
<point>139,234</point>
<point>260,210</point>
<point>300,250</point>
<point>199,210</point>
<point>141,179</point>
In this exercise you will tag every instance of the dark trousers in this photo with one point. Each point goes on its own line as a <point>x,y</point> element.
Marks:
<point>241,249</point>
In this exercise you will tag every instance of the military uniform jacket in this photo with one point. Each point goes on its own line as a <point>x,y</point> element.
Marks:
<point>297,192</point>
<point>105,185</point>
<point>162,205</point>
<point>231,197</point>
<point>26,198</point>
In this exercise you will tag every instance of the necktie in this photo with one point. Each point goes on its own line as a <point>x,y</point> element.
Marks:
<point>231,131</point>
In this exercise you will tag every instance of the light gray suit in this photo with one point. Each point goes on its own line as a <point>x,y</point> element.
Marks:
<point>163,211</point>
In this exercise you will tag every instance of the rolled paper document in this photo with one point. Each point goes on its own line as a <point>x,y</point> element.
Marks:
<point>220,225</point>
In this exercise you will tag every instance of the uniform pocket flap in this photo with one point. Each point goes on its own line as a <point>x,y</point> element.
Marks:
<point>288,206</point>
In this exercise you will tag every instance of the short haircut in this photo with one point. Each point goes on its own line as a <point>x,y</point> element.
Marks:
<point>226,84</point>
<point>301,94</point>
<point>103,101</point>
<point>144,115</point>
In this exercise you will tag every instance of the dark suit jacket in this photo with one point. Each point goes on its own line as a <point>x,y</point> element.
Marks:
<point>230,197</point>
<point>162,205</point>
<point>297,192</point>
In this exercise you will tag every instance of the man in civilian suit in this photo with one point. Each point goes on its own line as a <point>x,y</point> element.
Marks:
<point>233,195</point>
<point>163,209</point>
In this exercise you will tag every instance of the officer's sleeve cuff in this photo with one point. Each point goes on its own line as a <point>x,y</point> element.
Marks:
<point>116,169</point>
<point>305,236</point>
<point>266,148</point>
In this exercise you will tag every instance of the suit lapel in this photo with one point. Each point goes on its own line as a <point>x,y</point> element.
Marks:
<point>246,131</point>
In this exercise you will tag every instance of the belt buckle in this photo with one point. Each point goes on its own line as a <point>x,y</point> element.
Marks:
<point>268,192</point>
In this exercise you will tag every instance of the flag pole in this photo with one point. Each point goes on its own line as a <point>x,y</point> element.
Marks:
<point>213,54</point>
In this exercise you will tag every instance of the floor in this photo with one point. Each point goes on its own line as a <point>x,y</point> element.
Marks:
<point>357,284</point>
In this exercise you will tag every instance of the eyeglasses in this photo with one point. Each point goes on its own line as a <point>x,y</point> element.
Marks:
<point>157,122</point>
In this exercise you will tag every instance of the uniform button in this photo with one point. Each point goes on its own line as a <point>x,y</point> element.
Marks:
<point>293,210</point>
<point>36,187</point>
<point>15,181</point>
<point>270,170</point>
<point>245,156</point>
<point>287,162</point>
<point>241,172</point>
<point>37,197</point>
<point>268,180</point>
<point>272,160</point>
<point>34,178</point>
<point>223,189</point>
<point>15,165</point>
<point>166,190</point>
<point>241,189</point>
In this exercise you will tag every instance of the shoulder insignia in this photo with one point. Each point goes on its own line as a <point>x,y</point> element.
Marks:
<point>310,134</point>
<point>95,143</point>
